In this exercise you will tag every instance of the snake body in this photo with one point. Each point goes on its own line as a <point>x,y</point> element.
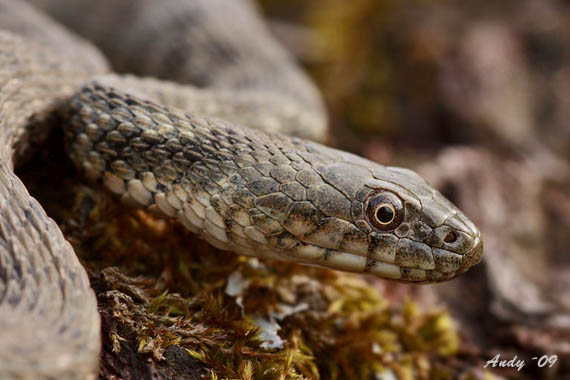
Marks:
<point>49,325</point>
<point>188,153</point>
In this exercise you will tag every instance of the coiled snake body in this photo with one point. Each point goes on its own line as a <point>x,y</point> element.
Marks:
<point>250,191</point>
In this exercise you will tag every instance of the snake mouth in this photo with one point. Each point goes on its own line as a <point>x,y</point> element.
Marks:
<point>350,262</point>
<point>445,265</point>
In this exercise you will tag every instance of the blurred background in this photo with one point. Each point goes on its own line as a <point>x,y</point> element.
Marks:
<point>476,97</point>
<point>435,73</point>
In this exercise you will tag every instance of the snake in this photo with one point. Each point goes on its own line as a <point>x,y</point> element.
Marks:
<point>210,124</point>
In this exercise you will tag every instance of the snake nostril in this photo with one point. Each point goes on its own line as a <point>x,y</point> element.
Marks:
<point>451,237</point>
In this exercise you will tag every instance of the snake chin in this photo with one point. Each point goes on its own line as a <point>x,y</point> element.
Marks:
<point>334,259</point>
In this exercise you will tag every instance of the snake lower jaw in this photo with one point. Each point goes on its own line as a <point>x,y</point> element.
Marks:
<point>350,262</point>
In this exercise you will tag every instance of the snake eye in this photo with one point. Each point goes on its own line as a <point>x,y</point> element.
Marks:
<point>385,210</point>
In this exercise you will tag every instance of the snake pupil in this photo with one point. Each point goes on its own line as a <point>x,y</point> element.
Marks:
<point>385,214</point>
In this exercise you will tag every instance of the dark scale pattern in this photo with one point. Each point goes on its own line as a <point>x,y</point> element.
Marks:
<point>214,161</point>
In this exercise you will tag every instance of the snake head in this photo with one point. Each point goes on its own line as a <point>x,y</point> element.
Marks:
<point>435,240</point>
<point>385,221</point>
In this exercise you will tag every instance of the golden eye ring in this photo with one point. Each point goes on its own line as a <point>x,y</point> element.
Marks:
<point>385,210</point>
